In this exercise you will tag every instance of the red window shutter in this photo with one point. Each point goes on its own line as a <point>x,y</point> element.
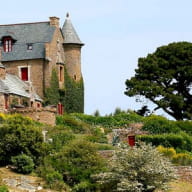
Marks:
<point>24,74</point>
<point>6,101</point>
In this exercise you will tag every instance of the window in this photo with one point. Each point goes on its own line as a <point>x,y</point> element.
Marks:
<point>24,73</point>
<point>30,46</point>
<point>61,73</point>
<point>7,44</point>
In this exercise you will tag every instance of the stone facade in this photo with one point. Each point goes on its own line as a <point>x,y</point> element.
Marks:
<point>43,115</point>
<point>35,71</point>
<point>73,61</point>
<point>31,51</point>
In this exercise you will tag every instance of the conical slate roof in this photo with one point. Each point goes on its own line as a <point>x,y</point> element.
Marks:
<point>69,33</point>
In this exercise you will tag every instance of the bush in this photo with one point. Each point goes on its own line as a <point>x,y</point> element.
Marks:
<point>20,134</point>
<point>182,159</point>
<point>136,169</point>
<point>4,188</point>
<point>23,163</point>
<point>185,126</point>
<point>111,121</point>
<point>167,152</point>
<point>76,125</point>
<point>61,138</point>
<point>182,141</point>
<point>159,125</point>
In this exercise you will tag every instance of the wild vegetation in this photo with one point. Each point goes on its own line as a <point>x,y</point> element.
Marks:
<point>70,160</point>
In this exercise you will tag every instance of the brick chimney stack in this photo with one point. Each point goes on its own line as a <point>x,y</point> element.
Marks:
<point>54,21</point>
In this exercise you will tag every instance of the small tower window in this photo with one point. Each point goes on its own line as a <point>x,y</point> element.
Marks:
<point>30,46</point>
<point>7,44</point>
<point>61,73</point>
<point>75,77</point>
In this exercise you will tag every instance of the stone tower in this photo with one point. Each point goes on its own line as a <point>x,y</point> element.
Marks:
<point>72,48</point>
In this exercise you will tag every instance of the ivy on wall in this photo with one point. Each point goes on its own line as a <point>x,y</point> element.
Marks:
<point>74,95</point>
<point>52,95</point>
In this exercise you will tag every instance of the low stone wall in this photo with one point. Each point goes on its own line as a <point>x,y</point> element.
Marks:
<point>184,173</point>
<point>43,115</point>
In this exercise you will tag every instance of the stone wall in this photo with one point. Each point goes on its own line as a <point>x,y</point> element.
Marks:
<point>43,115</point>
<point>2,102</point>
<point>73,61</point>
<point>55,58</point>
<point>35,72</point>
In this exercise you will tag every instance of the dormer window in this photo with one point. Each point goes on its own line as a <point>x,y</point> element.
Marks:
<point>30,46</point>
<point>7,44</point>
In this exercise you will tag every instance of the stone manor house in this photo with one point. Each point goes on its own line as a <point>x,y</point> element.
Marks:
<point>29,53</point>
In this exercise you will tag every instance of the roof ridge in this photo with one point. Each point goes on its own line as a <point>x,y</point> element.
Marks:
<point>25,23</point>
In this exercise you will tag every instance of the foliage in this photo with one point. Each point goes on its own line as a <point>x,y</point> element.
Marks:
<point>18,135</point>
<point>176,158</point>
<point>136,169</point>
<point>75,162</point>
<point>144,111</point>
<point>167,152</point>
<point>4,188</point>
<point>61,138</point>
<point>52,96</point>
<point>182,141</point>
<point>165,77</point>
<point>159,125</point>
<point>23,163</point>
<point>112,121</point>
<point>185,126</point>
<point>72,123</point>
<point>182,159</point>
<point>74,95</point>
<point>97,113</point>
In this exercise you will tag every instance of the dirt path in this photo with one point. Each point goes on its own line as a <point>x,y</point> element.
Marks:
<point>21,183</point>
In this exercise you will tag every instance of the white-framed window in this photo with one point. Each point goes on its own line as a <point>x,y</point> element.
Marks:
<point>24,73</point>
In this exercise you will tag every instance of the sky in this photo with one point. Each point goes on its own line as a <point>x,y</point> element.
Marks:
<point>116,33</point>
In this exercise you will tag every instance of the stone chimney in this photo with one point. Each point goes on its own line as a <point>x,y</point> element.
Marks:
<point>54,21</point>
<point>2,67</point>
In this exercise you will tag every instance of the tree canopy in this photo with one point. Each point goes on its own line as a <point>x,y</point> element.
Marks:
<point>165,78</point>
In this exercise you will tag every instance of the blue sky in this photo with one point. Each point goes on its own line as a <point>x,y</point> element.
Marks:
<point>116,33</point>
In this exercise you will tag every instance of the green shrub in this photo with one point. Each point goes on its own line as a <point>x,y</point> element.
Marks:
<point>53,177</point>
<point>4,188</point>
<point>72,123</point>
<point>135,169</point>
<point>111,121</point>
<point>61,138</point>
<point>180,142</point>
<point>167,152</point>
<point>167,140</point>
<point>182,159</point>
<point>185,126</point>
<point>84,186</point>
<point>23,163</point>
<point>159,125</point>
<point>18,135</point>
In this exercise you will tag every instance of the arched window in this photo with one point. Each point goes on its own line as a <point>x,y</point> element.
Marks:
<point>7,44</point>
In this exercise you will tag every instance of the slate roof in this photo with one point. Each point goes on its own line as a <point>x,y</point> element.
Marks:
<point>14,85</point>
<point>69,33</point>
<point>36,34</point>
